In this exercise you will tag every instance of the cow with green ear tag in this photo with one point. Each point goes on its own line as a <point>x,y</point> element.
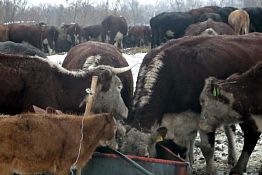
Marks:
<point>238,99</point>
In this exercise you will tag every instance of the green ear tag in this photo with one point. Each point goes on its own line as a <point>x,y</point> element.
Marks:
<point>218,92</point>
<point>214,92</point>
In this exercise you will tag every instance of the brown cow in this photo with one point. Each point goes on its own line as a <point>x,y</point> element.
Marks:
<point>238,99</point>
<point>33,143</point>
<point>28,33</point>
<point>27,81</point>
<point>138,36</point>
<point>219,27</point>
<point>114,29</point>
<point>4,32</point>
<point>239,21</point>
<point>93,53</point>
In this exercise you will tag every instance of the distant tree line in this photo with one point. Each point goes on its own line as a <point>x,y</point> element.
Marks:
<point>86,13</point>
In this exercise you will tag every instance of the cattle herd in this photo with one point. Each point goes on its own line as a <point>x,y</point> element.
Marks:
<point>204,71</point>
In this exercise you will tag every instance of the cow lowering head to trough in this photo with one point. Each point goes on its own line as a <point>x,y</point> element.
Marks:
<point>27,81</point>
<point>172,77</point>
<point>239,21</point>
<point>10,47</point>
<point>90,54</point>
<point>139,35</point>
<point>238,99</point>
<point>46,143</point>
<point>114,29</point>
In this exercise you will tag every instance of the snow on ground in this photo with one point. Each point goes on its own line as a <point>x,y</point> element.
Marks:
<point>221,141</point>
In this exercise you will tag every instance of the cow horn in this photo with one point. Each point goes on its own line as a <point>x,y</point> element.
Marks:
<point>121,69</point>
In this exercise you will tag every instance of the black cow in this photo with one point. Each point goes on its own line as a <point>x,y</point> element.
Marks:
<point>169,25</point>
<point>92,33</point>
<point>10,47</point>
<point>93,53</point>
<point>114,29</point>
<point>238,99</point>
<point>255,16</point>
<point>171,79</point>
<point>27,81</point>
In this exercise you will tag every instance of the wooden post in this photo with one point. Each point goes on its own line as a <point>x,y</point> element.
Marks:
<point>90,98</point>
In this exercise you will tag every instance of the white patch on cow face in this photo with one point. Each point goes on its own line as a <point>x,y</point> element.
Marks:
<point>151,77</point>
<point>216,112</point>
<point>77,38</point>
<point>258,121</point>
<point>92,61</point>
<point>111,100</point>
<point>209,31</point>
<point>170,33</point>
<point>45,41</point>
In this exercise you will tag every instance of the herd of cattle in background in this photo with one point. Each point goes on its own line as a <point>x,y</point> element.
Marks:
<point>211,77</point>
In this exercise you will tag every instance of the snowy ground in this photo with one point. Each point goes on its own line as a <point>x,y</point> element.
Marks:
<point>221,142</point>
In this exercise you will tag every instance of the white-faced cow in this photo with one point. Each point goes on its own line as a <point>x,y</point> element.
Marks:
<point>73,32</point>
<point>89,54</point>
<point>114,29</point>
<point>49,38</point>
<point>239,21</point>
<point>46,143</point>
<point>172,77</point>
<point>237,99</point>
<point>28,81</point>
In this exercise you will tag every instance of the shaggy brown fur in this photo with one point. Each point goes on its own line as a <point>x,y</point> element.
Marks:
<point>32,143</point>
<point>239,21</point>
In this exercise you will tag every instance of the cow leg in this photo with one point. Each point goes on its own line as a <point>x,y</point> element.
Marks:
<point>207,148</point>
<point>250,140</point>
<point>231,146</point>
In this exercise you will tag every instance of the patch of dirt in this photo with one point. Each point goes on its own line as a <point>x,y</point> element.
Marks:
<point>221,153</point>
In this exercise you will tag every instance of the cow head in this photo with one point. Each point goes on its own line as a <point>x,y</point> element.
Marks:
<point>217,105</point>
<point>73,32</point>
<point>50,36</point>
<point>108,92</point>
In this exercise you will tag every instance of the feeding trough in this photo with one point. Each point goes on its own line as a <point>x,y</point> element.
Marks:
<point>113,164</point>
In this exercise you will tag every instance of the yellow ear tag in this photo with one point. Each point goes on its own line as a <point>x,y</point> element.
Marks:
<point>159,138</point>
